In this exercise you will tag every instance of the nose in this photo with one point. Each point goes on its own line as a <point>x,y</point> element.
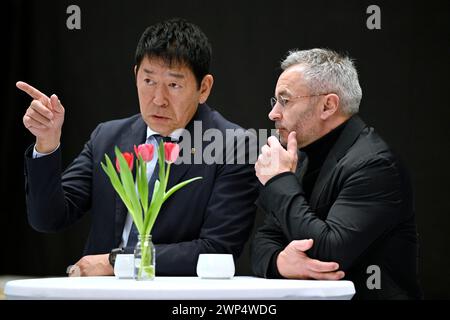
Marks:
<point>160,96</point>
<point>275,114</point>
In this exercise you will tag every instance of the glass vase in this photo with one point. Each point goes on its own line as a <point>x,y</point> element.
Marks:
<point>144,258</point>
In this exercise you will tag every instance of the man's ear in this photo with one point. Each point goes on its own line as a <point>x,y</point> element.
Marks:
<point>205,88</point>
<point>135,71</point>
<point>330,106</point>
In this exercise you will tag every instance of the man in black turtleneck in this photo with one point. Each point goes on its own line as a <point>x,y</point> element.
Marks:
<point>338,202</point>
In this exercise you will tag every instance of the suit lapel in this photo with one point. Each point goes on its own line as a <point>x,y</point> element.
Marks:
<point>178,171</point>
<point>302,165</point>
<point>348,136</point>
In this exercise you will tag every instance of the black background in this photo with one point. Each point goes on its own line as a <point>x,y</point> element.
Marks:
<point>403,71</point>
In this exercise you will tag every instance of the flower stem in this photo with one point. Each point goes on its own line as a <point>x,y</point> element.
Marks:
<point>167,177</point>
<point>143,257</point>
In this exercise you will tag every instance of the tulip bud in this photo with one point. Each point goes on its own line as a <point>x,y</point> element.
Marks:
<point>145,150</point>
<point>171,151</point>
<point>128,158</point>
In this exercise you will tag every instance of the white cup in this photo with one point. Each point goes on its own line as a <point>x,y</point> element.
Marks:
<point>124,266</point>
<point>215,266</point>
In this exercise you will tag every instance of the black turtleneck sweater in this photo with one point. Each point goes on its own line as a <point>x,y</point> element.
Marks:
<point>316,152</point>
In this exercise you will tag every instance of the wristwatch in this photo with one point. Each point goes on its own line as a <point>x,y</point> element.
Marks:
<point>112,255</point>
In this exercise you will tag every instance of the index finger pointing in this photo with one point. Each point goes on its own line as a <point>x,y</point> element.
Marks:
<point>32,92</point>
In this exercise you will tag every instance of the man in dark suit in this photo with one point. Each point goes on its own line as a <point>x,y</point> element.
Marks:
<point>345,199</point>
<point>211,215</point>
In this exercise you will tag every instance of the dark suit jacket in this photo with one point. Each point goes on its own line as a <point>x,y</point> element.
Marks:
<point>211,215</point>
<point>360,213</point>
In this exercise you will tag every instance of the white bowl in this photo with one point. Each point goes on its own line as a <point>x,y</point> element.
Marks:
<point>215,266</point>
<point>124,266</point>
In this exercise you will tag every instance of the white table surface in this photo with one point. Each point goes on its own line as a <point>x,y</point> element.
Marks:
<point>177,288</point>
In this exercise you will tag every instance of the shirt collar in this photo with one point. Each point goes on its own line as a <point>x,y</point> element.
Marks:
<point>175,135</point>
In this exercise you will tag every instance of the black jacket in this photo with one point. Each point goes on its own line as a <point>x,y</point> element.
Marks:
<point>211,215</point>
<point>360,213</point>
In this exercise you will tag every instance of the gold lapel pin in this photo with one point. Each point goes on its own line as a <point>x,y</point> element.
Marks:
<point>192,150</point>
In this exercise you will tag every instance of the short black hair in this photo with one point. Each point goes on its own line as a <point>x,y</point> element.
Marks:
<point>176,41</point>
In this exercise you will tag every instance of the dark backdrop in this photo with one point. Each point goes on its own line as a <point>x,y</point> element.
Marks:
<point>403,72</point>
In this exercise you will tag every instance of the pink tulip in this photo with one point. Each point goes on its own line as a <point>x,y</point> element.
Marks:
<point>145,150</point>
<point>171,151</point>
<point>128,158</point>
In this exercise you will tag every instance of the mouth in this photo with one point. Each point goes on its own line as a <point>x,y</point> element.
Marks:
<point>159,118</point>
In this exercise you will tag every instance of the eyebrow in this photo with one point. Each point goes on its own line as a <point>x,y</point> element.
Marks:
<point>176,75</point>
<point>284,93</point>
<point>172,74</point>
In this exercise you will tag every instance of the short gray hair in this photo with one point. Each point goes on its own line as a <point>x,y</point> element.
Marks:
<point>327,71</point>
